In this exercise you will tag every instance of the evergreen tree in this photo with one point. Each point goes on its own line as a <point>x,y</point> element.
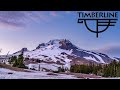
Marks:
<point>118,70</point>
<point>72,68</point>
<point>20,61</point>
<point>14,61</point>
<point>114,68</point>
<point>106,70</point>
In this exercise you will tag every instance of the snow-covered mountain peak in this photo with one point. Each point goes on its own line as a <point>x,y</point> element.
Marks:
<point>55,42</point>
<point>62,51</point>
<point>60,43</point>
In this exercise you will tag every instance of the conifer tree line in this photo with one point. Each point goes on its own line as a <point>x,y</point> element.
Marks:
<point>106,70</point>
<point>17,61</point>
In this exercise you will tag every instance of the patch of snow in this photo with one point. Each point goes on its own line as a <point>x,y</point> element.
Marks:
<point>51,51</point>
<point>115,59</point>
<point>48,52</point>
<point>53,67</point>
<point>67,65</point>
<point>5,70</point>
<point>91,58</point>
<point>97,56</point>
<point>101,60</point>
<point>31,75</point>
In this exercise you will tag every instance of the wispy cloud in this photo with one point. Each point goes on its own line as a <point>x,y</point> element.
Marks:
<point>113,50</point>
<point>12,18</point>
<point>23,18</point>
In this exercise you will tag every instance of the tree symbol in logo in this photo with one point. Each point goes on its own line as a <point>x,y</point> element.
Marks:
<point>99,22</point>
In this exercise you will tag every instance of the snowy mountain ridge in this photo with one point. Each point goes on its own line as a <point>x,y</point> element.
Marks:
<point>63,52</point>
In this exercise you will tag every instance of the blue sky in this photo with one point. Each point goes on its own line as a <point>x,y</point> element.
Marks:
<point>20,29</point>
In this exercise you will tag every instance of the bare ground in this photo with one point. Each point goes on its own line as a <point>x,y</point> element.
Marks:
<point>12,68</point>
<point>81,75</point>
<point>78,75</point>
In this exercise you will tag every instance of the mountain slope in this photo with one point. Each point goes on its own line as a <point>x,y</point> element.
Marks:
<point>20,52</point>
<point>63,52</point>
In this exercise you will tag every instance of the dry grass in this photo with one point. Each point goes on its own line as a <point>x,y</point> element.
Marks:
<point>85,76</point>
<point>12,68</point>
